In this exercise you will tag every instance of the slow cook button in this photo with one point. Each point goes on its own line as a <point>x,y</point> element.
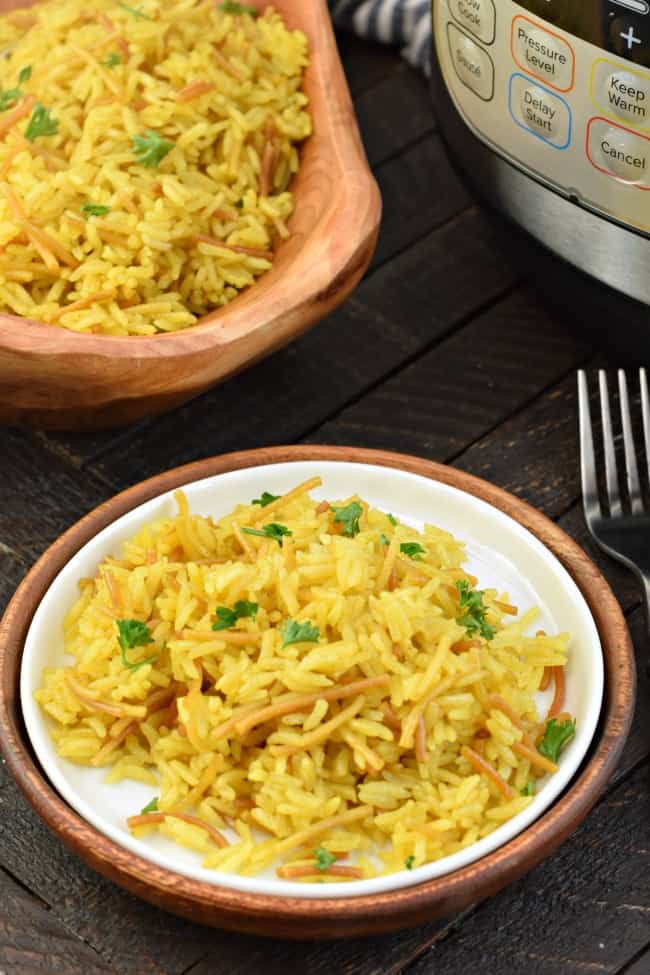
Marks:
<point>540,111</point>
<point>619,152</point>
<point>543,53</point>
<point>477,16</point>
<point>473,65</point>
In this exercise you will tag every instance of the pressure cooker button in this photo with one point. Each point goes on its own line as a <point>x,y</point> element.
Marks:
<point>540,111</point>
<point>619,152</point>
<point>473,65</point>
<point>477,16</point>
<point>543,54</point>
<point>627,94</point>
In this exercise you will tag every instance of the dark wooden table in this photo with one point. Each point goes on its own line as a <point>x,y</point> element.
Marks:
<point>443,352</point>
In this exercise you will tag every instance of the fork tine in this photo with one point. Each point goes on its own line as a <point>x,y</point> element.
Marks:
<point>645,411</point>
<point>611,470</point>
<point>631,468</point>
<point>587,456</point>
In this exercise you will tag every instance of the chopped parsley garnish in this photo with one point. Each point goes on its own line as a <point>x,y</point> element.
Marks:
<point>393,520</point>
<point>228,617</point>
<point>528,789</point>
<point>150,807</point>
<point>348,517</point>
<point>136,12</point>
<point>111,60</point>
<point>239,204</point>
<point>231,7</point>
<point>557,735</point>
<point>266,497</point>
<point>151,148</point>
<point>41,123</point>
<point>383,540</point>
<point>9,97</point>
<point>324,859</point>
<point>95,210</point>
<point>473,618</point>
<point>408,863</point>
<point>274,531</point>
<point>133,633</point>
<point>294,632</point>
<point>413,549</point>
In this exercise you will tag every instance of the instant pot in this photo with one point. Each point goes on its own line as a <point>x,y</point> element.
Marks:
<point>545,108</point>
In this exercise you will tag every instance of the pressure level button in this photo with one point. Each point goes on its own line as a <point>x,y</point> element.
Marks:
<point>477,16</point>
<point>543,54</point>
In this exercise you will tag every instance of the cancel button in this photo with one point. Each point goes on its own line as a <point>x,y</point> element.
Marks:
<point>621,153</point>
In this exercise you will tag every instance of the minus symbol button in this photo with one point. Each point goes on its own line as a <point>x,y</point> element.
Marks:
<point>637,6</point>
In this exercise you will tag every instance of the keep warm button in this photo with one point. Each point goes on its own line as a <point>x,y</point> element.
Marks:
<point>619,152</point>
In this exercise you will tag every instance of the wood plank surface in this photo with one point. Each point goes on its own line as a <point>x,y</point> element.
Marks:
<point>33,942</point>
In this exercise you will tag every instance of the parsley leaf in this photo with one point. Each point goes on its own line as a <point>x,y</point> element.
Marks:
<point>274,531</point>
<point>348,517</point>
<point>324,859</point>
<point>9,98</point>
<point>240,206</point>
<point>383,540</point>
<point>556,736</point>
<point>150,807</point>
<point>294,632</point>
<point>408,863</point>
<point>474,617</point>
<point>41,123</point>
<point>267,497</point>
<point>231,7</point>
<point>228,617</point>
<point>133,633</point>
<point>25,74</point>
<point>528,789</point>
<point>136,12</point>
<point>151,148</point>
<point>413,549</point>
<point>111,59</point>
<point>393,520</point>
<point>95,210</point>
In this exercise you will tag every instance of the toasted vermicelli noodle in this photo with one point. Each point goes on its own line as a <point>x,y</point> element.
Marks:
<point>146,151</point>
<point>335,688</point>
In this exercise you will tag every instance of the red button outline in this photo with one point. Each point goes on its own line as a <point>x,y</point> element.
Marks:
<point>608,172</point>
<point>544,30</point>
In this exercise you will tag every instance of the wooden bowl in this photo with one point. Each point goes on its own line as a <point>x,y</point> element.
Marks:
<point>60,380</point>
<point>331,917</point>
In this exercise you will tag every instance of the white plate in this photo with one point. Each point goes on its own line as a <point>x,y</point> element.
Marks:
<point>501,553</point>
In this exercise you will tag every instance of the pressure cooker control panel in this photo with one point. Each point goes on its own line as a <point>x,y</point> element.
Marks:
<point>561,89</point>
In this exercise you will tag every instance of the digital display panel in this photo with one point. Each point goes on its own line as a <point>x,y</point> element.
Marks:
<point>621,27</point>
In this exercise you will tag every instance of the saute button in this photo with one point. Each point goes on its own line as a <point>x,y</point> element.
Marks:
<point>478,16</point>
<point>543,54</point>
<point>473,65</point>
<point>540,111</point>
<point>620,153</point>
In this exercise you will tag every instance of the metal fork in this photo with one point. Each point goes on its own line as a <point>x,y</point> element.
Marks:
<point>623,530</point>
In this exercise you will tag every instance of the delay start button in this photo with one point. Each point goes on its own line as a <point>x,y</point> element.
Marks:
<point>619,152</point>
<point>473,65</point>
<point>535,108</point>
<point>479,17</point>
<point>543,53</point>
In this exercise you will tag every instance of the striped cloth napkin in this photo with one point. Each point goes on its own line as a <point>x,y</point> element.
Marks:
<point>403,22</point>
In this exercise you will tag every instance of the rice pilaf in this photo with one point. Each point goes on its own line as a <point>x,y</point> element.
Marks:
<point>307,685</point>
<point>145,156</point>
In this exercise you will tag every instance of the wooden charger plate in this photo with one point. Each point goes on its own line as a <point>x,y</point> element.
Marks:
<point>332,916</point>
<point>59,380</point>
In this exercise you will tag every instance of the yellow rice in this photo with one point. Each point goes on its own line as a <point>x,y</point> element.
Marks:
<point>116,71</point>
<point>375,772</point>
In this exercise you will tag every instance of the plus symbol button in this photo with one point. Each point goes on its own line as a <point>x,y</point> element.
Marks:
<point>630,37</point>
